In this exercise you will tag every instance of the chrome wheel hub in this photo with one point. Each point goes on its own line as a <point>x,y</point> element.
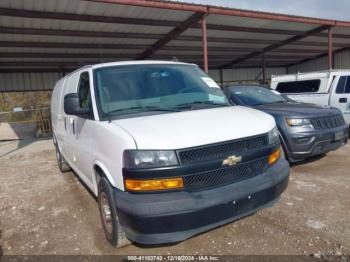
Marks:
<point>106,213</point>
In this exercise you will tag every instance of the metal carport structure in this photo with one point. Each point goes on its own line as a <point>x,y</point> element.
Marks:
<point>40,40</point>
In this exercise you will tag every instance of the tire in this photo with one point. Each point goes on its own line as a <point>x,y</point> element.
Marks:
<point>109,217</point>
<point>61,162</point>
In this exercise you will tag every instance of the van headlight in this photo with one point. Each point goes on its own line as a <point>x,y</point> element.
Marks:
<point>299,122</point>
<point>149,158</point>
<point>273,136</point>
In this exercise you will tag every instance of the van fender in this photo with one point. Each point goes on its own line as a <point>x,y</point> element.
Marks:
<point>105,171</point>
<point>54,140</point>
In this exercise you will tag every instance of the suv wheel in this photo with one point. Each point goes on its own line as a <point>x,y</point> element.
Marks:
<point>110,221</point>
<point>61,162</point>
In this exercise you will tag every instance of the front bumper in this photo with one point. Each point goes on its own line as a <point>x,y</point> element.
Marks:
<point>300,145</point>
<point>175,216</point>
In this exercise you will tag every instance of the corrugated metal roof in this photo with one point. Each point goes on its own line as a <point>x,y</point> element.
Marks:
<point>66,39</point>
<point>230,37</point>
<point>23,22</point>
<point>257,23</point>
<point>94,8</point>
<point>235,35</point>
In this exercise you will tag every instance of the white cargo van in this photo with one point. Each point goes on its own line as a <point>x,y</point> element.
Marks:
<point>163,151</point>
<point>329,88</point>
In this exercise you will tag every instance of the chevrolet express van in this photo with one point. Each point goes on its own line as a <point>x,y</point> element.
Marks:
<point>327,88</point>
<point>162,149</point>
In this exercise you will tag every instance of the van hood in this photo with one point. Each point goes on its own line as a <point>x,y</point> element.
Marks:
<point>195,128</point>
<point>298,109</point>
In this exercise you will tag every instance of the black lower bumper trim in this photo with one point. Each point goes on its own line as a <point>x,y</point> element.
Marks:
<point>189,220</point>
<point>319,148</point>
<point>154,219</point>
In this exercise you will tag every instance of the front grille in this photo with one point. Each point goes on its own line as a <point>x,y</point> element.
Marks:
<point>222,150</point>
<point>226,175</point>
<point>328,122</point>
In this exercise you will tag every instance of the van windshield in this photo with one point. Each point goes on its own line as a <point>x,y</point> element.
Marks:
<point>154,87</point>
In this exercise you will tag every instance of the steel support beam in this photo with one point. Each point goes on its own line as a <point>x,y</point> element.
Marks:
<point>204,43</point>
<point>221,77</point>
<point>275,46</point>
<point>72,64</point>
<point>149,22</point>
<point>85,18</point>
<point>80,33</point>
<point>69,45</point>
<point>99,34</point>
<point>330,48</point>
<point>57,69</point>
<point>156,4</point>
<point>257,30</point>
<point>220,11</point>
<point>270,16</point>
<point>263,65</point>
<point>75,33</point>
<point>102,55</point>
<point>178,30</point>
<point>49,45</point>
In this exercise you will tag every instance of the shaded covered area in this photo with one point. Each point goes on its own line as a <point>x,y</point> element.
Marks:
<point>43,40</point>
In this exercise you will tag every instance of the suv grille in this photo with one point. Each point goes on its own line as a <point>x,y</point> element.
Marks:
<point>223,150</point>
<point>226,175</point>
<point>328,122</point>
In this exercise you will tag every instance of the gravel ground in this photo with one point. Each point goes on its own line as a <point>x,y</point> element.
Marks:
<point>45,212</point>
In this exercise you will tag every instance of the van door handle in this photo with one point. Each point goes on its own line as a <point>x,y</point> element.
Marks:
<point>73,126</point>
<point>72,123</point>
<point>343,100</point>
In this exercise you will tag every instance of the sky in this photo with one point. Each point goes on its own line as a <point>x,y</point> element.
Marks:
<point>329,9</point>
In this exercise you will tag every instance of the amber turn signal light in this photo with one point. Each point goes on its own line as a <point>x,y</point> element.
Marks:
<point>154,184</point>
<point>274,156</point>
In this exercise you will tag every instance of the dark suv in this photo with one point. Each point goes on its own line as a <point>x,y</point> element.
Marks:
<point>305,129</point>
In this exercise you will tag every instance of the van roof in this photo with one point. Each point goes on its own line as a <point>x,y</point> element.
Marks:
<point>141,62</point>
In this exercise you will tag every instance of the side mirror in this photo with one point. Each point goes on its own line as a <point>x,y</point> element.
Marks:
<point>72,105</point>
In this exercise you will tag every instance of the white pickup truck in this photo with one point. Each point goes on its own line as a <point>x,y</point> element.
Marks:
<point>329,88</point>
<point>162,149</point>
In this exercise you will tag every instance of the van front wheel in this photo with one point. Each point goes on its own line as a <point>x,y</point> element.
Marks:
<point>110,221</point>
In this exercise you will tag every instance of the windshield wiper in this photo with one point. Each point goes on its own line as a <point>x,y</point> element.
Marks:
<point>200,103</point>
<point>276,102</point>
<point>130,110</point>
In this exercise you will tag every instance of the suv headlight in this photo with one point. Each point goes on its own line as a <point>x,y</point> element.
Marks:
<point>299,122</point>
<point>273,136</point>
<point>149,158</point>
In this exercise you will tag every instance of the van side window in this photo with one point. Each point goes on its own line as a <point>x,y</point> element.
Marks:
<point>84,90</point>
<point>306,86</point>
<point>343,85</point>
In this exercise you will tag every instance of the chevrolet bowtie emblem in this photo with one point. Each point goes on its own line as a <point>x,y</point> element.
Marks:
<point>231,160</point>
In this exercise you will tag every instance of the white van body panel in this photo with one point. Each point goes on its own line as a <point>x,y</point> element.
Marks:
<point>87,143</point>
<point>57,114</point>
<point>326,95</point>
<point>196,128</point>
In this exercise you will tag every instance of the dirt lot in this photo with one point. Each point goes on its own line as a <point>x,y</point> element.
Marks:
<point>45,212</point>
